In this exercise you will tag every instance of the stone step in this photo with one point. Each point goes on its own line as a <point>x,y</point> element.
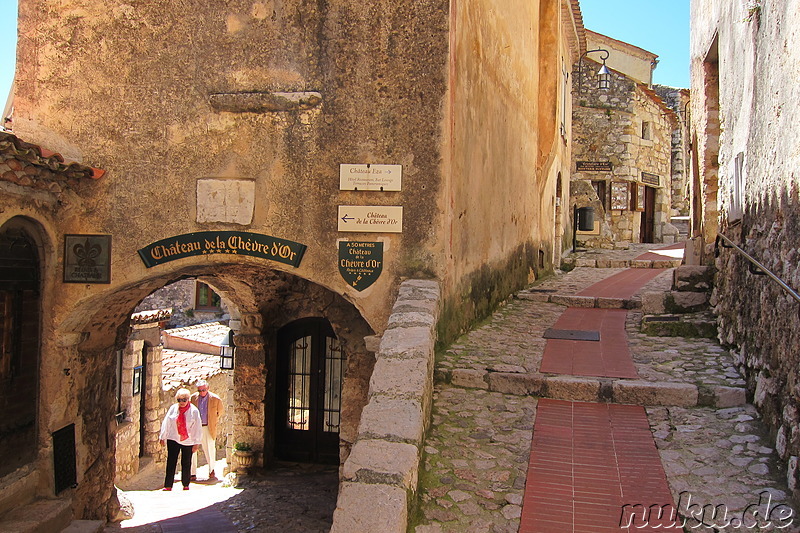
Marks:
<point>627,263</point>
<point>690,325</point>
<point>39,516</point>
<point>570,300</point>
<point>84,526</point>
<point>674,302</point>
<point>591,389</point>
<point>693,278</point>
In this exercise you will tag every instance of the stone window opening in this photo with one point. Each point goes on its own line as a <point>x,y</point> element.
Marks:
<point>647,130</point>
<point>601,188</point>
<point>206,299</point>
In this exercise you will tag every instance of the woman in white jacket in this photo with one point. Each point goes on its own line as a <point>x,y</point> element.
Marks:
<point>181,431</point>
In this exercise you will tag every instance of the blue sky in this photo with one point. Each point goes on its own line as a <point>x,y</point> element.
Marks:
<point>657,26</point>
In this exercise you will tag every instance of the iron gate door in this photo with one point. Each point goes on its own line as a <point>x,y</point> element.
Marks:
<point>310,369</point>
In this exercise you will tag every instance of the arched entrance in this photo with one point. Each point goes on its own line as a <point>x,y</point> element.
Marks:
<point>19,346</point>
<point>310,367</point>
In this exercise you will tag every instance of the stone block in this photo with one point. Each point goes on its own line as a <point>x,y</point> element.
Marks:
<point>407,342</point>
<point>582,262</point>
<point>519,384</point>
<point>469,378</point>
<point>370,507</point>
<point>728,396</point>
<point>372,342</point>
<point>654,393</point>
<point>604,263</point>
<point>653,303</point>
<point>686,302</point>
<point>641,263</point>
<point>611,303</point>
<point>404,378</point>
<point>382,462</point>
<point>225,200</point>
<point>411,319</point>
<point>666,263</point>
<point>533,297</point>
<point>693,278</point>
<point>572,388</point>
<point>392,418</point>
<point>573,301</point>
<point>620,263</point>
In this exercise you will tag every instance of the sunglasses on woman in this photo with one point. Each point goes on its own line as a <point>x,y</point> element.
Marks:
<point>183,399</point>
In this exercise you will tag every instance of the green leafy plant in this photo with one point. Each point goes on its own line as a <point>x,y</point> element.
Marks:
<point>243,447</point>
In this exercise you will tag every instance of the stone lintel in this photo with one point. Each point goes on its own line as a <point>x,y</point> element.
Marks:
<point>264,101</point>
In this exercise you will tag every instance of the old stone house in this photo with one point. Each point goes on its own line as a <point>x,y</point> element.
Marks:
<point>622,147</point>
<point>303,159</point>
<point>744,70</point>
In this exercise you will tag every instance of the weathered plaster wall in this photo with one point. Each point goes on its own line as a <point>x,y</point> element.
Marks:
<point>758,72</point>
<point>506,149</point>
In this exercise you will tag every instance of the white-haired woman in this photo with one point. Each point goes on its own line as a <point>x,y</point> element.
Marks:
<point>181,431</point>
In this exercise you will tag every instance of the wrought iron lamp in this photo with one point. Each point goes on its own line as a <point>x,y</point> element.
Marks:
<point>603,75</point>
<point>226,352</point>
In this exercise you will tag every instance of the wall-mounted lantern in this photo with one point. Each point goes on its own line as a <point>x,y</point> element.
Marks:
<point>603,75</point>
<point>226,352</point>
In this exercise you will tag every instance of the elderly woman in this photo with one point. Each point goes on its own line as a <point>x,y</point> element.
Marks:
<point>182,431</point>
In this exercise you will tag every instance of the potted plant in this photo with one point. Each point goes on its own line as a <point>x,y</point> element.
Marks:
<point>245,456</point>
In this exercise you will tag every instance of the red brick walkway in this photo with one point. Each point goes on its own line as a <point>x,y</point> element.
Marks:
<point>622,285</point>
<point>610,357</point>
<point>588,461</point>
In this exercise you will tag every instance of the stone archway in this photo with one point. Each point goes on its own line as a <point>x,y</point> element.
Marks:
<point>20,318</point>
<point>267,299</point>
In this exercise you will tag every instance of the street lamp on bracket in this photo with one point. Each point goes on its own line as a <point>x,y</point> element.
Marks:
<point>603,75</point>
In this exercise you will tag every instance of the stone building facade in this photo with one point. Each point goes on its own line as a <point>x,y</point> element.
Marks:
<point>622,142</point>
<point>744,70</point>
<point>303,159</point>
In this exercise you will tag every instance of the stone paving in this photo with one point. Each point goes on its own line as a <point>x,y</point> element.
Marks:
<point>477,451</point>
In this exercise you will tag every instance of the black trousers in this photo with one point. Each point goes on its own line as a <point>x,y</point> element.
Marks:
<point>173,450</point>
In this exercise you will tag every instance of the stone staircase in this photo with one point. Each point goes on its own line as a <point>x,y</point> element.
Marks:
<point>683,311</point>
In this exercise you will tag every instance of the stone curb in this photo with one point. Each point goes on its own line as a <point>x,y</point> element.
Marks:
<point>591,389</point>
<point>383,466</point>
<point>628,263</point>
<point>581,301</point>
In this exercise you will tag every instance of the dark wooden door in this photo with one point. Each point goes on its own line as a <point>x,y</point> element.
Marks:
<point>648,215</point>
<point>310,369</point>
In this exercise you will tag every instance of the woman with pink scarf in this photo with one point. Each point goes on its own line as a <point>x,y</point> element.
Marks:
<point>182,431</point>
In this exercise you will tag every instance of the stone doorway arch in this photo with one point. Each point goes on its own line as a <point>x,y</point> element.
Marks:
<point>267,299</point>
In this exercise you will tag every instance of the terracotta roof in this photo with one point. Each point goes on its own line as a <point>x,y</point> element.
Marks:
<point>148,317</point>
<point>210,332</point>
<point>37,156</point>
<point>180,368</point>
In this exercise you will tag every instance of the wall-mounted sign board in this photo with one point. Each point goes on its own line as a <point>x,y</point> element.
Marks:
<point>619,195</point>
<point>370,177</point>
<point>87,258</point>
<point>371,218</point>
<point>360,263</point>
<point>593,166</point>
<point>651,179</point>
<point>222,242</point>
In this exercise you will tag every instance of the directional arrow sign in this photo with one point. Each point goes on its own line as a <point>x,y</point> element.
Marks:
<point>371,219</point>
<point>370,177</point>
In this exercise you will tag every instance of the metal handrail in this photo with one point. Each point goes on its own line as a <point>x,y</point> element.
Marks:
<point>763,270</point>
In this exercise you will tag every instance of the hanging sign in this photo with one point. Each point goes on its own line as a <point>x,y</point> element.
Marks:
<point>223,242</point>
<point>360,263</point>
<point>370,177</point>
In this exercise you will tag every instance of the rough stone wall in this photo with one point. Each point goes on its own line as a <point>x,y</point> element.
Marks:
<point>757,93</point>
<point>180,296</point>
<point>607,127</point>
<point>678,100</point>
